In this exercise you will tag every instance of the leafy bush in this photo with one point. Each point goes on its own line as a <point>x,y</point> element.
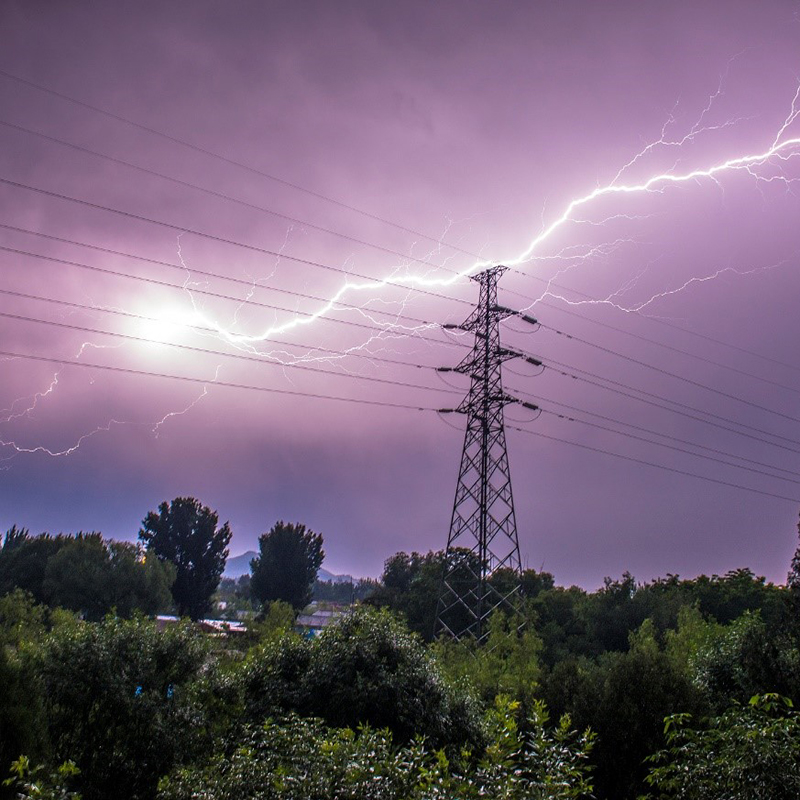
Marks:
<point>118,700</point>
<point>365,669</point>
<point>751,752</point>
<point>301,759</point>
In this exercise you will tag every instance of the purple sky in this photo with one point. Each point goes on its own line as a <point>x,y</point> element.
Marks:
<point>474,124</point>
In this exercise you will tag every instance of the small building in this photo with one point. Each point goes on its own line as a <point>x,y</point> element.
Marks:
<point>311,624</point>
<point>215,627</point>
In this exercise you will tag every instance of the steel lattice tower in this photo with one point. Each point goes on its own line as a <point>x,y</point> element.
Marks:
<point>483,528</point>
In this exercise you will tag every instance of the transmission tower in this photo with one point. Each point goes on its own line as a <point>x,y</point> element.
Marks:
<point>483,529</point>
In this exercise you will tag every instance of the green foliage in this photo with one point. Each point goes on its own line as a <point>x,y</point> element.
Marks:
<point>84,573</point>
<point>410,586</point>
<point>22,619</point>
<point>287,564</point>
<point>92,577</point>
<point>301,759</point>
<point>623,697</point>
<point>692,634</point>
<point>118,699</point>
<point>746,658</point>
<point>368,668</point>
<point>185,533</point>
<point>750,752</point>
<point>36,783</point>
<point>276,620</point>
<point>365,669</point>
<point>20,722</point>
<point>23,561</point>
<point>344,592</point>
<point>508,662</point>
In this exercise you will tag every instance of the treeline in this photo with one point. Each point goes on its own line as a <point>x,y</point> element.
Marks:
<point>85,573</point>
<point>622,659</point>
<point>567,699</point>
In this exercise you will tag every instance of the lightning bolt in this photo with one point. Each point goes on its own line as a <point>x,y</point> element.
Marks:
<point>774,156</point>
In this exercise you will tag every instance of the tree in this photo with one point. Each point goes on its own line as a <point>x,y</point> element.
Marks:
<point>287,564</point>
<point>750,752</point>
<point>77,576</point>
<point>24,558</point>
<point>411,584</point>
<point>185,533</point>
<point>119,698</point>
<point>295,758</point>
<point>793,579</point>
<point>366,668</point>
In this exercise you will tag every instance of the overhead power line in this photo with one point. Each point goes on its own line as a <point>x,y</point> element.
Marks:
<point>592,300</point>
<point>653,464</point>
<point>539,399</point>
<point>683,450</point>
<point>352,352</point>
<point>671,348</point>
<point>262,361</point>
<point>209,381</point>
<point>249,168</point>
<point>214,193</point>
<point>221,239</point>
<point>224,159</point>
<point>238,300</point>
<point>669,374</point>
<point>306,367</point>
<point>687,408</point>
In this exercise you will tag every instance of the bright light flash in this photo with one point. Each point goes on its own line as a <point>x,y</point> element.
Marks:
<point>777,153</point>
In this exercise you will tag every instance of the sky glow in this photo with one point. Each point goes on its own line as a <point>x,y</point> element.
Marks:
<point>261,345</point>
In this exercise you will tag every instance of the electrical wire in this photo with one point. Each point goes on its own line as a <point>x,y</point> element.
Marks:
<point>214,193</point>
<point>687,408</point>
<point>226,160</point>
<point>263,362</point>
<point>669,374</point>
<point>240,301</point>
<point>355,352</point>
<point>672,349</point>
<point>653,464</point>
<point>538,398</point>
<point>223,240</point>
<point>232,162</point>
<point>209,381</point>
<point>634,437</point>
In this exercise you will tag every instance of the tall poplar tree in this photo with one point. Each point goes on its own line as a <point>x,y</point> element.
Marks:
<point>187,534</point>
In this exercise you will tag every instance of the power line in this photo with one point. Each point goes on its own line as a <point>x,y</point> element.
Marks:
<point>550,362</point>
<point>230,161</point>
<point>676,403</point>
<point>214,193</point>
<point>653,464</point>
<point>671,348</point>
<point>145,318</point>
<point>221,239</point>
<point>665,323</point>
<point>669,374</point>
<point>262,362</point>
<point>669,447</point>
<point>218,295</point>
<point>333,232</point>
<point>539,399</point>
<point>210,381</point>
<point>318,195</point>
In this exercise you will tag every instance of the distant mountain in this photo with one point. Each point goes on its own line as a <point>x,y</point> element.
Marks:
<point>240,565</point>
<point>324,575</point>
